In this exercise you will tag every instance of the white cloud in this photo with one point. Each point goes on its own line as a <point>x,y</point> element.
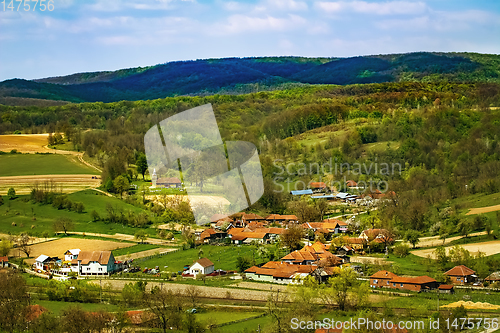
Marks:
<point>442,21</point>
<point>243,23</point>
<point>377,8</point>
<point>287,5</point>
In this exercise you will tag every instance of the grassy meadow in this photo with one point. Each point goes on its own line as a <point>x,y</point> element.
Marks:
<point>20,211</point>
<point>42,164</point>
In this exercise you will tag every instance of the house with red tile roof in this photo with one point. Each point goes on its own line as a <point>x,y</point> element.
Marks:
<point>282,219</point>
<point>4,261</point>
<point>171,182</point>
<point>386,279</point>
<point>210,234</point>
<point>461,275</point>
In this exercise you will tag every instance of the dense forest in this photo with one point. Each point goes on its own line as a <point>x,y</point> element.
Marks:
<point>246,75</point>
<point>444,136</point>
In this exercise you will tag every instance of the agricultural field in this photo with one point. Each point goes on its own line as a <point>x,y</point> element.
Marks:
<point>24,143</point>
<point>488,248</point>
<point>42,164</point>
<point>56,248</point>
<point>223,257</point>
<point>16,215</point>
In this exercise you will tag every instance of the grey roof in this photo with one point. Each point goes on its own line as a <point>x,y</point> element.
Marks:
<point>326,196</point>
<point>342,195</point>
<point>301,192</point>
<point>42,258</point>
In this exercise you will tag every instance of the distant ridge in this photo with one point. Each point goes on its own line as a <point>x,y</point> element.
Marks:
<point>244,75</point>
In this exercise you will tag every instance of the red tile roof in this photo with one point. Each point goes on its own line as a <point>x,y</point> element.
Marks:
<point>413,280</point>
<point>445,287</point>
<point>383,275</point>
<point>4,259</point>
<point>460,271</point>
<point>171,180</point>
<point>317,185</point>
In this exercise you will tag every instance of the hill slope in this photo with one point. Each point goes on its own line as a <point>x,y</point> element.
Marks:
<point>235,75</point>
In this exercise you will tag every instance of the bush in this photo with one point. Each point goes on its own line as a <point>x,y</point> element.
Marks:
<point>401,250</point>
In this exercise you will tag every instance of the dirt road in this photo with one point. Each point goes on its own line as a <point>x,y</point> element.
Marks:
<point>124,237</point>
<point>143,254</point>
<point>482,210</point>
<point>435,241</point>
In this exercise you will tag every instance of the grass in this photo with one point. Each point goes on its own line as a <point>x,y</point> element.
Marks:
<point>21,211</point>
<point>134,249</point>
<point>413,265</point>
<point>223,257</point>
<point>42,164</point>
<point>251,325</point>
<point>221,317</point>
<point>57,307</point>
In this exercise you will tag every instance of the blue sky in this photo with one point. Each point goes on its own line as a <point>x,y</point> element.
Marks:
<point>95,35</point>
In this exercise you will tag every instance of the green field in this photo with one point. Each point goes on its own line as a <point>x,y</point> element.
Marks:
<point>57,307</point>
<point>223,257</point>
<point>251,325</point>
<point>134,249</point>
<point>42,164</point>
<point>21,210</point>
<point>220,317</point>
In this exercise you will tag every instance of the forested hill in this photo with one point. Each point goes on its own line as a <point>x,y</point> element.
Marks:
<point>244,75</point>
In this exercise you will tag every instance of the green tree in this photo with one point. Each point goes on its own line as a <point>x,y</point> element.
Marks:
<point>140,235</point>
<point>5,247</point>
<point>345,290</point>
<point>142,164</point>
<point>401,250</point>
<point>412,237</point>
<point>242,263</point>
<point>11,193</point>
<point>292,237</point>
<point>121,184</point>
<point>13,301</point>
<point>63,224</point>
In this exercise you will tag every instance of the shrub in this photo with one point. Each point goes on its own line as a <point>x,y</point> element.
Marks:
<point>401,250</point>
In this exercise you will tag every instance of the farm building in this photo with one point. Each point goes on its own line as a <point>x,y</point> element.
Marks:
<point>386,279</point>
<point>71,254</point>
<point>171,182</point>
<point>285,273</point>
<point>95,263</point>
<point>493,277</point>
<point>201,266</point>
<point>4,261</point>
<point>281,219</point>
<point>446,289</point>
<point>46,263</point>
<point>461,275</point>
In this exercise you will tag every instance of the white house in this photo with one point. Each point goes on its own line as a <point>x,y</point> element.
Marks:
<point>41,261</point>
<point>71,254</point>
<point>96,263</point>
<point>201,266</point>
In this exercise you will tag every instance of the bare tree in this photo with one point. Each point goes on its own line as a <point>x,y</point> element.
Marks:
<point>63,224</point>
<point>24,242</point>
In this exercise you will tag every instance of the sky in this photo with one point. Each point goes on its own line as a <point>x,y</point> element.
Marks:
<point>97,35</point>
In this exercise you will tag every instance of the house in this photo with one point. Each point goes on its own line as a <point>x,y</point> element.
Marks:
<point>312,254</point>
<point>493,277</point>
<point>317,186</point>
<point>210,234</point>
<point>71,254</point>
<point>418,283</point>
<point>386,279</point>
<point>95,263</point>
<point>357,244</point>
<point>377,235</point>
<point>46,263</point>
<point>285,273</point>
<point>381,279</point>
<point>201,266</point>
<point>330,226</point>
<point>172,182</point>
<point>282,219</point>
<point>446,289</point>
<point>351,183</point>
<point>461,275</point>
<point>4,261</point>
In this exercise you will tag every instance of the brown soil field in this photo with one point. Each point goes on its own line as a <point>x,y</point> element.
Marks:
<point>195,200</point>
<point>482,210</point>
<point>472,306</point>
<point>25,143</point>
<point>68,183</point>
<point>489,248</point>
<point>435,241</point>
<point>124,237</point>
<point>56,248</point>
